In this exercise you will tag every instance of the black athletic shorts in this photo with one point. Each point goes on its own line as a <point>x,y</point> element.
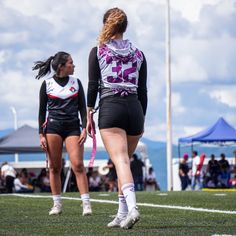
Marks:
<point>63,128</point>
<point>121,112</point>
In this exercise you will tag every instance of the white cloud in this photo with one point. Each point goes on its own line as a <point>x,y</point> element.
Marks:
<point>191,130</point>
<point>9,38</point>
<point>226,7</point>
<point>177,106</point>
<point>186,68</point>
<point>224,94</point>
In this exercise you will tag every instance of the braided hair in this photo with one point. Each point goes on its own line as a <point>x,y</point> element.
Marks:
<point>114,22</point>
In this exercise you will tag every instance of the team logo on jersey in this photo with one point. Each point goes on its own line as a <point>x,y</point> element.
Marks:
<point>72,89</point>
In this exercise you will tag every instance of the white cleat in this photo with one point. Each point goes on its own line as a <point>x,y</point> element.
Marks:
<point>87,210</point>
<point>132,218</point>
<point>56,209</point>
<point>116,222</point>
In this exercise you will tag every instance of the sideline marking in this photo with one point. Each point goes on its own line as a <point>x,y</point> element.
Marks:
<point>187,208</point>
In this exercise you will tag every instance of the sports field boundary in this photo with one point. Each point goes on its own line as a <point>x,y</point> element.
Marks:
<point>187,208</point>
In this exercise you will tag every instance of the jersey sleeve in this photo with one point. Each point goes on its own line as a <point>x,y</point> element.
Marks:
<point>43,99</point>
<point>142,85</point>
<point>82,105</point>
<point>94,77</point>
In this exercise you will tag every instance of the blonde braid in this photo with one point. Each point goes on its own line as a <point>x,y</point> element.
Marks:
<point>115,21</point>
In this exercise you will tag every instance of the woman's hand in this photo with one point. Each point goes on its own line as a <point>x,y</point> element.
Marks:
<point>43,142</point>
<point>90,122</point>
<point>82,137</point>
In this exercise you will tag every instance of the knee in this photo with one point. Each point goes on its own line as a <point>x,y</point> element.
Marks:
<point>79,168</point>
<point>55,170</point>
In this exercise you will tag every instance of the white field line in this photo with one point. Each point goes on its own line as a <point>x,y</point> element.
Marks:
<point>187,208</point>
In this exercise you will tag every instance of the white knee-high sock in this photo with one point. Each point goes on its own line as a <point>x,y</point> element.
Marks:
<point>129,195</point>
<point>123,208</point>
<point>56,199</point>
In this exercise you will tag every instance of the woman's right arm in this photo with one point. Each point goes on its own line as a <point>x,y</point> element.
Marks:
<point>93,84</point>
<point>43,99</point>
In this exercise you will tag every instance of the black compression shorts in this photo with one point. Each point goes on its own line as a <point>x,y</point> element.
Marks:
<point>63,128</point>
<point>122,112</point>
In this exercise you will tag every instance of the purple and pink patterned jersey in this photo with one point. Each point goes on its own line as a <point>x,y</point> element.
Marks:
<point>119,63</point>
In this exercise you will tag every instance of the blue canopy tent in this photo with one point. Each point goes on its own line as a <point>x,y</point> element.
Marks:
<point>219,133</point>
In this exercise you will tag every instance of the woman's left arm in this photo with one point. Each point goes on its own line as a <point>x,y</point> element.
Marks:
<point>142,85</point>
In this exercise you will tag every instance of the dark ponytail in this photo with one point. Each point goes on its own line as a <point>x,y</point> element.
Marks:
<point>44,67</point>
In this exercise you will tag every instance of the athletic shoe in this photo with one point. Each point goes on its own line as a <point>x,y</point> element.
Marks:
<point>116,222</point>
<point>132,217</point>
<point>56,209</point>
<point>87,210</point>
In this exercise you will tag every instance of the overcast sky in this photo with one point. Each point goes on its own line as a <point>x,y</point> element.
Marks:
<point>203,48</point>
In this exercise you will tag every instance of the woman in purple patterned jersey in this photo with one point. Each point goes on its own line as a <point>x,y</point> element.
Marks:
<point>61,100</point>
<point>118,71</point>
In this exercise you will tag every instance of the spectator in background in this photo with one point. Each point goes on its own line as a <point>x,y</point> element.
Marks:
<point>94,182</point>
<point>8,174</point>
<point>224,164</point>
<point>224,171</point>
<point>42,181</point>
<point>20,185</point>
<point>233,169</point>
<point>183,172</point>
<point>197,170</point>
<point>112,176</point>
<point>150,181</point>
<point>136,166</point>
<point>213,171</point>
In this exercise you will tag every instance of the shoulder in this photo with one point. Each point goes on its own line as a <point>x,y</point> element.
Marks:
<point>138,52</point>
<point>48,81</point>
<point>93,51</point>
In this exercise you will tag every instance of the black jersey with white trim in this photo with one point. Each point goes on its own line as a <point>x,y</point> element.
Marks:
<point>62,98</point>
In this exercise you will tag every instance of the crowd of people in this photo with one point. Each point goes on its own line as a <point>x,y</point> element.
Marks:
<point>23,181</point>
<point>215,174</point>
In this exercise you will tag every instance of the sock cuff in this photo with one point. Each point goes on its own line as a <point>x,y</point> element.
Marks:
<point>56,197</point>
<point>85,197</point>
<point>125,186</point>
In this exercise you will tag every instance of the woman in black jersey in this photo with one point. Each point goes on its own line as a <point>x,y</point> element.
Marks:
<point>61,101</point>
<point>118,71</point>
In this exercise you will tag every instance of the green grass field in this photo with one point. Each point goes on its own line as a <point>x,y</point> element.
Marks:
<point>161,214</point>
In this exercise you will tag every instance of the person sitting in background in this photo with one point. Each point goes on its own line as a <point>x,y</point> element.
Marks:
<point>150,181</point>
<point>20,185</point>
<point>43,180</point>
<point>94,182</point>
<point>183,172</point>
<point>8,175</point>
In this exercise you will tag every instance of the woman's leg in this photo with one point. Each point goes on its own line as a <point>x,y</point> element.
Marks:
<point>119,154</point>
<point>115,142</point>
<point>55,144</point>
<point>76,152</point>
